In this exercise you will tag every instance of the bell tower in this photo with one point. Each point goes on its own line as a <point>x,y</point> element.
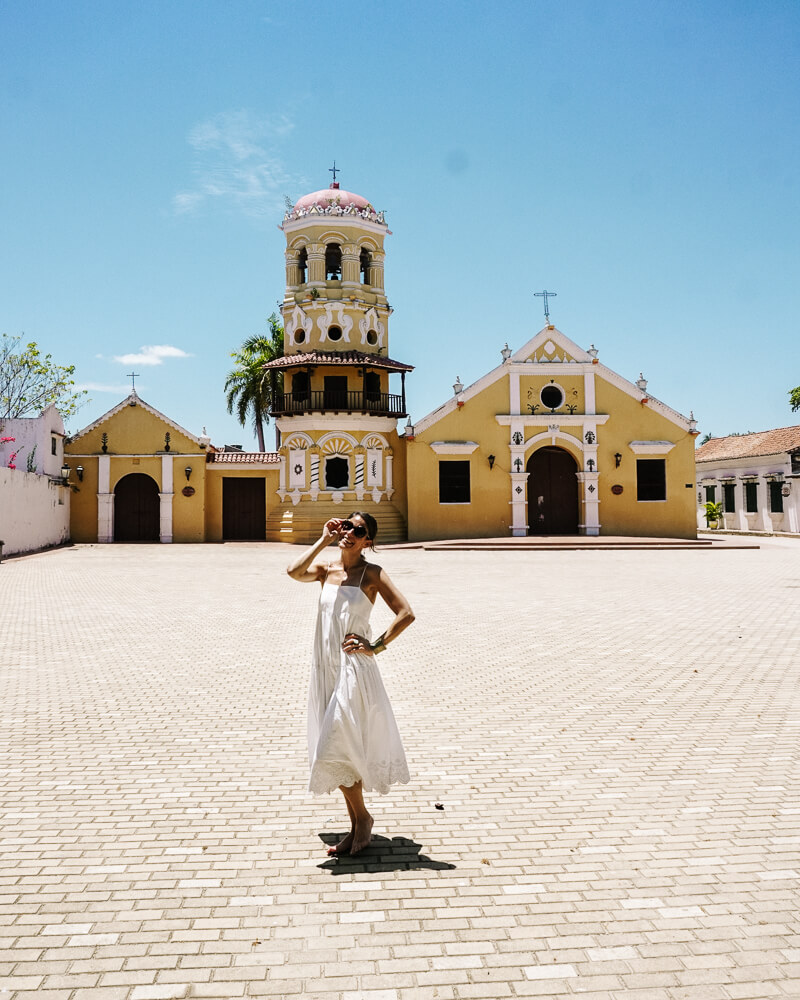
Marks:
<point>336,410</point>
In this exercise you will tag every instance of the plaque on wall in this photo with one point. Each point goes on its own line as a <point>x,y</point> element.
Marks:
<point>616,490</point>
<point>188,491</point>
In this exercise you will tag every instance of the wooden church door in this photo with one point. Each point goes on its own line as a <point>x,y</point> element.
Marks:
<point>552,493</point>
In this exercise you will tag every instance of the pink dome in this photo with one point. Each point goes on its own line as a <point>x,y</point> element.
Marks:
<point>331,196</point>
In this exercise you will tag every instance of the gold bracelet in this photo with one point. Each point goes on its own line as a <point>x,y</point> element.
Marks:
<point>379,646</point>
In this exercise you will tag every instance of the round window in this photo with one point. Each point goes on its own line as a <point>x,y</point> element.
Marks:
<point>300,337</point>
<point>552,397</point>
<point>334,333</point>
<point>372,337</point>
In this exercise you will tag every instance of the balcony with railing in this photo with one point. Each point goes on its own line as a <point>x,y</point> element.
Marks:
<point>379,404</point>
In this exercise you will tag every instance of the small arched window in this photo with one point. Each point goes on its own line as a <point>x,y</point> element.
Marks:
<point>364,261</point>
<point>302,264</point>
<point>333,262</point>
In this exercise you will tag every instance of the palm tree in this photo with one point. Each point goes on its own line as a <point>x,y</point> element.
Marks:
<point>249,389</point>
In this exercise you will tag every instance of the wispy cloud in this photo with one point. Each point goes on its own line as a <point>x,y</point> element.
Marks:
<point>152,355</point>
<point>236,162</point>
<point>116,390</point>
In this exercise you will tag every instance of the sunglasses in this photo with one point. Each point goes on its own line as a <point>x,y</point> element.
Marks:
<point>359,531</point>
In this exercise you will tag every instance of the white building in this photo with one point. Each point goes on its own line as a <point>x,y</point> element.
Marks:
<point>756,478</point>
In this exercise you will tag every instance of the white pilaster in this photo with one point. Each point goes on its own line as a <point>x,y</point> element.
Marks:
<point>519,504</point>
<point>588,392</point>
<point>105,500</point>
<point>105,517</point>
<point>590,521</point>
<point>166,474</point>
<point>513,392</point>
<point>165,517</point>
<point>389,481</point>
<point>790,506</point>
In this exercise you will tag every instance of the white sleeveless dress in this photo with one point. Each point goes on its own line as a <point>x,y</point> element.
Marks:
<point>352,733</point>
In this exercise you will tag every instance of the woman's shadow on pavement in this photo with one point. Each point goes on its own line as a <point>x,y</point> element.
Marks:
<point>382,855</point>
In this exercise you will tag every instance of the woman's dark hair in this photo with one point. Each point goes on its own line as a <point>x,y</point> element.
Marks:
<point>371,523</point>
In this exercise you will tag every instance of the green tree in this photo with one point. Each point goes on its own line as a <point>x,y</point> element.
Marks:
<point>31,381</point>
<point>248,388</point>
<point>794,398</point>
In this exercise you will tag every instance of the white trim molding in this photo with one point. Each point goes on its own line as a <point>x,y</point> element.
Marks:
<point>453,447</point>
<point>651,447</point>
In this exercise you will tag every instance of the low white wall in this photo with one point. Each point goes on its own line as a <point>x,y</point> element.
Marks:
<point>34,512</point>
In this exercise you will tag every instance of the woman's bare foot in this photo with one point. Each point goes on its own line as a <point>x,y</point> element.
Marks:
<point>362,834</point>
<point>343,847</point>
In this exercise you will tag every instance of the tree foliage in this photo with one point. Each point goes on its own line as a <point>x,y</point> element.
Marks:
<point>248,388</point>
<point>794,398</point>
<point>30,381</point>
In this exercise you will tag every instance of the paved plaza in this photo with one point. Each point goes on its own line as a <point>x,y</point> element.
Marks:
<point>613,736</point>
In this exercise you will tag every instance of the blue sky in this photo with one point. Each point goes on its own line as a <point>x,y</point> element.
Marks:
<point>638,158</point>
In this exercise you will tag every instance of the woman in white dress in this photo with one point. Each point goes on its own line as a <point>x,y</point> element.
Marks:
<point>353,742</point>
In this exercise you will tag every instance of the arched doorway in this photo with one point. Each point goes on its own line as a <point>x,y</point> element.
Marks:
<point>137,509</point>
<point>552,493</point>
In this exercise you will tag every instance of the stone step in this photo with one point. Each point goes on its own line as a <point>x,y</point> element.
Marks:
<point>302,523</point>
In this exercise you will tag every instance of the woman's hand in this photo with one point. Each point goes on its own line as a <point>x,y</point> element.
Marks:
<point>331,529</point>
<point>354,643</point>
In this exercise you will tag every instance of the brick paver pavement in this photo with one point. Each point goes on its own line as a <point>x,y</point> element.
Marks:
<point>613,735</point>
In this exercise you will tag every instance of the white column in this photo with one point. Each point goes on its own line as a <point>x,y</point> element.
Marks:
<point>763,505</point>
<point>790,506</point>
<point>741,507</point>
<point>105,500</point>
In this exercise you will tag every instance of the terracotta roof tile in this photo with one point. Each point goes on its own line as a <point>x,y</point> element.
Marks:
<point>773,442</point>
<point>351,358</point>
<point>245,457</point>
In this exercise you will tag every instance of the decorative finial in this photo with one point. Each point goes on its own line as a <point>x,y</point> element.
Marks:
<point>545,295</point>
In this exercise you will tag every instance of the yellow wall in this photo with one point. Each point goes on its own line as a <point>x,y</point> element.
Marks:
<point>631,420</point>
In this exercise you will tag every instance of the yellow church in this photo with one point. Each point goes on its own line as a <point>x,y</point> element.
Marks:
<point>550,442</point>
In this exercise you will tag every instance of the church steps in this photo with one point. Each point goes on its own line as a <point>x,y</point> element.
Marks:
<point>302,523</point>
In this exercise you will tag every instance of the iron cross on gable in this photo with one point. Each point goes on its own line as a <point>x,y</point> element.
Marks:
<point>545,295</point>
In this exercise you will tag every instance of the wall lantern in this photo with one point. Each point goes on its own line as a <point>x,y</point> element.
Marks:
<point>786,489</point>
<point>458,388</point>
<point>617,460</point>
<point>188,471</point>
<point>491,461</point>
<point>65,471</point>
<point>641,383</point>
<point>506,352</point>
<point>593,352</point>
<point>79,470</point>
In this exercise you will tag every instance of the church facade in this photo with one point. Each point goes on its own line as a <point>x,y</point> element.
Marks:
<point>550,442</point>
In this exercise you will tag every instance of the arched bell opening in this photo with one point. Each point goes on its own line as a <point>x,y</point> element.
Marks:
<point>137,509</point>
<point>333,262</point>
<point>553,502</point>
